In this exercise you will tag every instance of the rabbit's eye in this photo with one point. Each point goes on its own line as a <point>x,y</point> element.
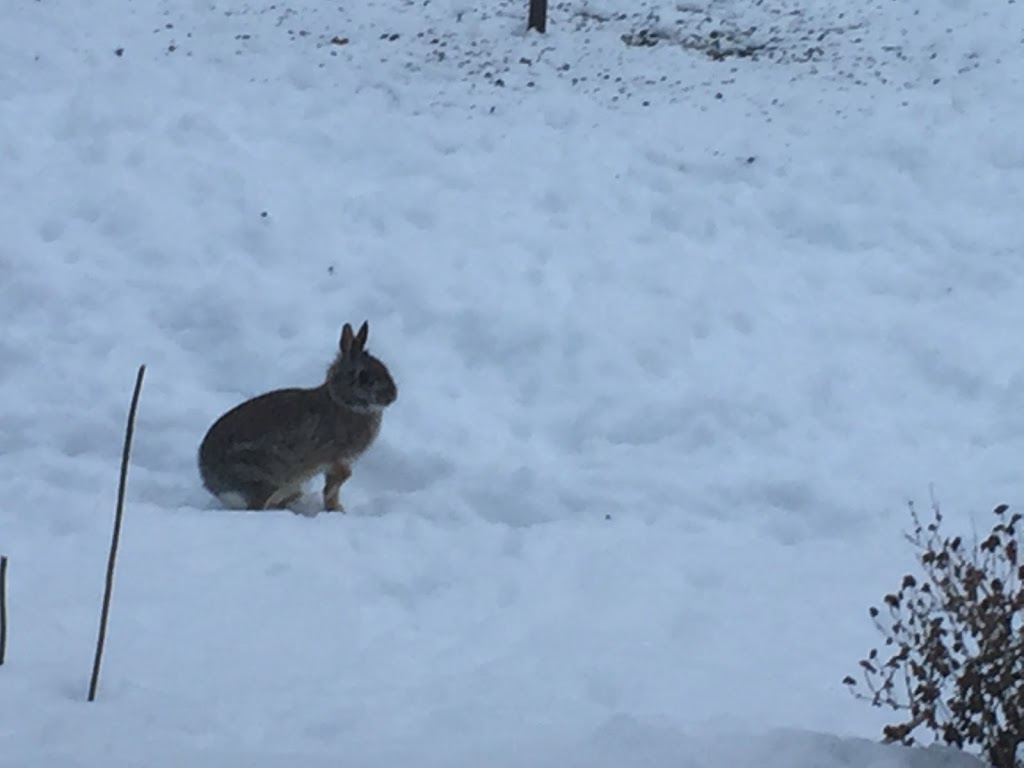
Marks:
<point>363,377</point>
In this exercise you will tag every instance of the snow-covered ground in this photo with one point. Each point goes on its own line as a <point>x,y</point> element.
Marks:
<point>677,333</point>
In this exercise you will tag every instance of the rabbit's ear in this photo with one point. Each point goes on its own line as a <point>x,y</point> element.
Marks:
<point>346,341</point>
<point>364,331</point>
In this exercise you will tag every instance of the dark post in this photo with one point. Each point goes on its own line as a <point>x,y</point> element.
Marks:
<point>538,15</point>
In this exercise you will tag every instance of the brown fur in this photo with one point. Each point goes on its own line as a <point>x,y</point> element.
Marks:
<point>264,449</point>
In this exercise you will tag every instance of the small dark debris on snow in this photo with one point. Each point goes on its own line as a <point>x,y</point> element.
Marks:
<point>263,214</point>
<point>643,38</point>
<point>119,51</point>
<point>339,40</point>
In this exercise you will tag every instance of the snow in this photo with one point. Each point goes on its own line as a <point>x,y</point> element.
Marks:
<point>675,339</point>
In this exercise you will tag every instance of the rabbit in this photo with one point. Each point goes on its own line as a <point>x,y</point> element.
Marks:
<point>259,454</point>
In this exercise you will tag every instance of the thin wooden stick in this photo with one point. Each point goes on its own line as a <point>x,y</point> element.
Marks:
<point>118,515</point>
<point>3,607</point>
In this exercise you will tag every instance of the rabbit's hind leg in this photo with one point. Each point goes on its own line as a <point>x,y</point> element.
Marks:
<point>282,497</point>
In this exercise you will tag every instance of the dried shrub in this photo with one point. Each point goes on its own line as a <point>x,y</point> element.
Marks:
<point>953,658</point>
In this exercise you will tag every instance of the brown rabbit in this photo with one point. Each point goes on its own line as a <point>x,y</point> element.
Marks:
<point>259,454</point>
